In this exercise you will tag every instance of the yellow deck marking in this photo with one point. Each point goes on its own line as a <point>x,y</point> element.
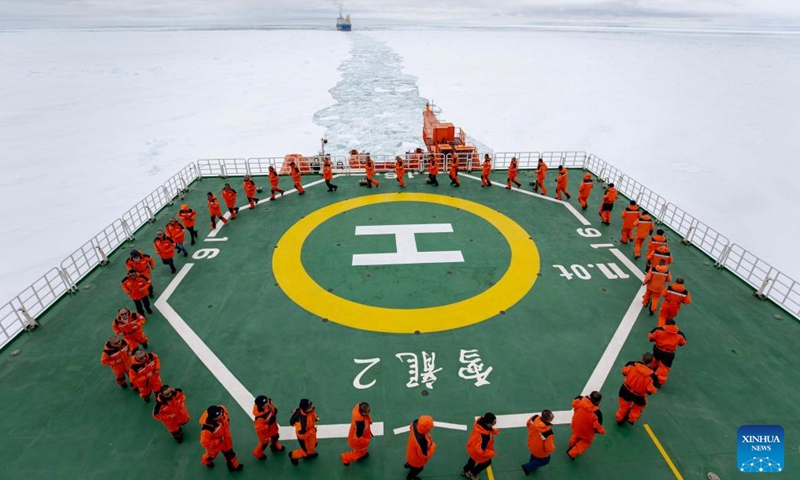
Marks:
<point>663,452</point>
<point>304,291</point>
<point>490,473</point>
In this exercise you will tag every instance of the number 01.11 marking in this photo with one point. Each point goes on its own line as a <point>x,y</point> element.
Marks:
<point>610,270</point>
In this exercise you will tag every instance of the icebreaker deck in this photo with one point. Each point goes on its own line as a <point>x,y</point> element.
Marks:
<point>298,299</point>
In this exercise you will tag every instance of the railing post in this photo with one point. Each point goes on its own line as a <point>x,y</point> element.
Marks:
<point>167,195</point>
<point>247,167</point>
<point>585,160</point>
<point>71,287</point>
<point>103,256</point>
<point>184,188</point>
<point>760,292</point>
<point>223,171</point>
<point>150,214</point>
<point>127,229</point>
<point>30,322</point>
<point>723,256</point>
<point>662,213</point>
<point>685,239</point>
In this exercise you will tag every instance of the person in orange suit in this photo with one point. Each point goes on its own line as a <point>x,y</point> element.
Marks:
<point>513,170</point>
<point>660,255</point>
<point>400,171</point>
<point>304,418</point>
<point>130,326</point>
<point>630,216</point>
<point>644,228</point>
<point>116,355</point>
<point>369,165</point>
<point>585,190</point>
<point>666,340</point>
<point>675,296</point>
<point>360,434</point>
<point>229,195</point>
<point>143,264</point>
<point>640,381</point>
<point>215,210</point>
<point>145,373</point>
<point>486,171</point>
<point>170,409</point>
<point>656,281</point>
<point>266,425</point>
<point>165,248</point>
<point>453,172</point>
<point>433,170</point>
<point>541,175</point>
<point>297,176</point>
<point>480,446</point>
<point>137,287</point>
<point>327,174</point>
<point>607,204</point>
<point>657,240</point>
<point>587,421</point>
<point>215,437</point>
<point>188,217</point>
<point>250,189</point>
<point>541,441</point>
<point>274,179</point>
<point>175,231</point>
<point>561,182</point>
<point>420,447</point>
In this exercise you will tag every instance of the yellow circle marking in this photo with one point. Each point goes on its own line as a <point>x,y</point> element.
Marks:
<point>303,290</point>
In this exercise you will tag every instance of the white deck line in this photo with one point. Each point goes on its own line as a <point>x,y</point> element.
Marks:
<point>609,358</point>
<point>519,420</point>
<point>449,426</point>
<point>226,378</point>
<point>569,206</point>
<point>628,263</point>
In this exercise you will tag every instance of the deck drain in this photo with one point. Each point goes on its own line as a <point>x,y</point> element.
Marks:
<point>210,306</point>
<point>779,316</point>
<point>471,240</point>
<point>733,351</point>
<point>275,284</point>
<point>502,312</point>
<point>87,287</point>
<point>424,393</point>
<point>416,332</point>
<point>324,320</point>
<point>369,275</point>
<point>603,290</point>
<point>338,244</point>
<point>330,290</point>
<point>14,353</point>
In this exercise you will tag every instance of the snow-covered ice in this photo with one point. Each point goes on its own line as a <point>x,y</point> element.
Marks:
<point>93,121</point>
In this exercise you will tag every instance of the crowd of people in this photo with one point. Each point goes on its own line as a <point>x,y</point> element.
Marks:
<point>127,354</point>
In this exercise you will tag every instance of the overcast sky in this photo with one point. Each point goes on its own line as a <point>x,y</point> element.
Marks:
<point>109,13</point>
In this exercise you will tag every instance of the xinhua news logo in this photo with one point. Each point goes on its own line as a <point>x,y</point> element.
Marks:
<point>760,448</point>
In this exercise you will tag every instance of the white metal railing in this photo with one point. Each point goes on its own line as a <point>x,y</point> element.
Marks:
<point>21,311</point>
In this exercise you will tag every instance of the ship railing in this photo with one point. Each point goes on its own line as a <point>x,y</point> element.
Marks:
<point>21,312</point>
<point>222,167</point>
<point>260,166</point>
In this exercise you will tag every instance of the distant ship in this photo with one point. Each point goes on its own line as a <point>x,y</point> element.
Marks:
<point>343,23</point>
